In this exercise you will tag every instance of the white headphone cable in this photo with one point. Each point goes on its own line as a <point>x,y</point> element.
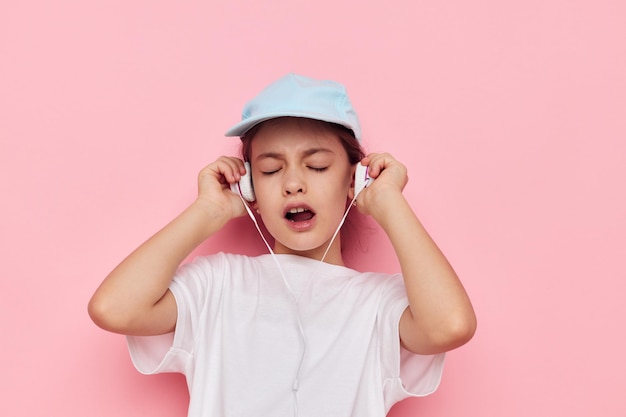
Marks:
<point>296,383</point>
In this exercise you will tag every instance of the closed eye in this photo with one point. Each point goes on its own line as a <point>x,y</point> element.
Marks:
<point>270,172</point>
<point>318,169</point>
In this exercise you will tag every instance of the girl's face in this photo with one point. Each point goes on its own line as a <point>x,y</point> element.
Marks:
<point>301,178</point>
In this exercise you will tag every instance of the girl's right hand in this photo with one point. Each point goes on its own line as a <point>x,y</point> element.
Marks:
<point>214,187</point>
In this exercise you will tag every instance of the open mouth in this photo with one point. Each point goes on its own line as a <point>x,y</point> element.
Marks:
<point>299,214</point>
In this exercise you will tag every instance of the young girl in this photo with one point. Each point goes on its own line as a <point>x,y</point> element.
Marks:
<point>294,332</point>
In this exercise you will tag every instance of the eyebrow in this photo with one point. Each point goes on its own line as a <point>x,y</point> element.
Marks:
<point>304,154</point>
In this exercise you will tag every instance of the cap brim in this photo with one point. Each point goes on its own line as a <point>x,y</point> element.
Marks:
<point>242,127</point>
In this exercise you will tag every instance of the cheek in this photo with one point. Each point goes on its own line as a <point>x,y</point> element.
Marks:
<point>338,193</point>
<point>265,200</point>
<point>260,186</point>
<point>347,183</point>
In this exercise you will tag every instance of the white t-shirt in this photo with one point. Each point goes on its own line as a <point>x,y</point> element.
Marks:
<point>243,341</point>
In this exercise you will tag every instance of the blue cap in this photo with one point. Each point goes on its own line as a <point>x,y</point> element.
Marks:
<point>299,96</point>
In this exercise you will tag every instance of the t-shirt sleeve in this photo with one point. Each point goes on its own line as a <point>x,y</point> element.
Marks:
<point>173,352</point>
<point>405,374</point>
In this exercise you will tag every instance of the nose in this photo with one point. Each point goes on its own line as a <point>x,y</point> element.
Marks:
<point>294,183</point>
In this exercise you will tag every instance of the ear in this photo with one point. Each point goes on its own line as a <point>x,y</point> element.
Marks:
<point>352,183</point>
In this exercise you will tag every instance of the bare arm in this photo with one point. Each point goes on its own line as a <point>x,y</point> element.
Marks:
<point>440,316</point>
<point>134,298</point>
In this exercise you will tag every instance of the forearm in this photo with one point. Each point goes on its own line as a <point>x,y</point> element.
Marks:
<point>441,315</point>
<point>141,280</point>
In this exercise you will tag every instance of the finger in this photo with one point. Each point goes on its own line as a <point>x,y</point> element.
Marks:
<point>231,168</point>
<point>380,163</point>
<point>376,163</point>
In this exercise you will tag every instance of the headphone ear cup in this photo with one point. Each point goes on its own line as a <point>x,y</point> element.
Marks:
<point>245,185</point>
<point>361,178</point>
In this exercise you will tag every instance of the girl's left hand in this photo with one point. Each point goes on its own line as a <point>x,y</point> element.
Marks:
<point>390,179</point>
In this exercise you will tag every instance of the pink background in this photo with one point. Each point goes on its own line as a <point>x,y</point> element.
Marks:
<point>511,117</point>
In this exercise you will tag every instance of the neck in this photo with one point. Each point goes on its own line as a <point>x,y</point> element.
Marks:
<point>333,256</point>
